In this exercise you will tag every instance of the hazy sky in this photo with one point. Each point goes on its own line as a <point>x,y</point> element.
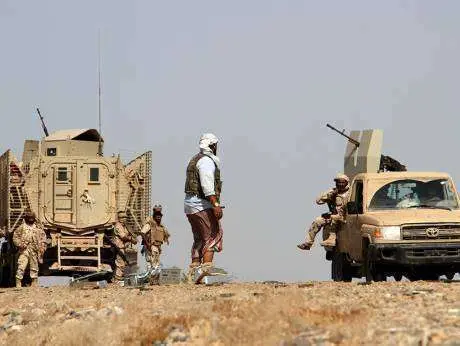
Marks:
<point>264,76</point>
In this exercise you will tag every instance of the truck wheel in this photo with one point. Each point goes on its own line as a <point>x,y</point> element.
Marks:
<point>340,268</point>
<point>371,271</point>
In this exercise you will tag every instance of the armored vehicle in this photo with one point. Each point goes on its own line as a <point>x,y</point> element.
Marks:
<point>399,223</point>
<point>76,194</point>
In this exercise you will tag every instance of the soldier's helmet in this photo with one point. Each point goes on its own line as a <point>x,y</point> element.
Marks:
<point>29,215</point>
<point>342,181</point>
<point>157,209</point>
<point>342,176</point>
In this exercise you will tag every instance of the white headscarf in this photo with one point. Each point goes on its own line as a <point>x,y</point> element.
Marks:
<point>206,140</point>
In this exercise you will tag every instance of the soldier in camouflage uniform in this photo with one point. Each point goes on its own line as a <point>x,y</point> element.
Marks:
<point>154,234</point>
<point>336,199</point>
<point>30,239</point>
<point>121,237</point>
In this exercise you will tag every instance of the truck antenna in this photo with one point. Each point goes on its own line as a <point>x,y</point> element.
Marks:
<point>43,123</point>
<point>99,91</point>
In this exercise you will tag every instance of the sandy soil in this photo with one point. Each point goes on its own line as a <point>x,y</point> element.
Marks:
<point>421,313</point>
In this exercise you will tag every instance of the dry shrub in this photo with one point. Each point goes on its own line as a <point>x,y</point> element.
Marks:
<point>147,330</point>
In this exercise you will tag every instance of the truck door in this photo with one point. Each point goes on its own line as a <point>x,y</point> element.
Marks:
<point>93,193</point>
<point>351,242</point>
<point>60,193</point>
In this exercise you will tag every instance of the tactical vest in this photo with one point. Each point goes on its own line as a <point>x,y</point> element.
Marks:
<point>157,233</point>
<point>192,182</point>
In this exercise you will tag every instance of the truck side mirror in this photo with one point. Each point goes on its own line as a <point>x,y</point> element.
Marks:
<point>352,207</point>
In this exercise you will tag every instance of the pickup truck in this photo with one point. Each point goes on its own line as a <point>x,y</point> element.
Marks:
<point>399,224</point>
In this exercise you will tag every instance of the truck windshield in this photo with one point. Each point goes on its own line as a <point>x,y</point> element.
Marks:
<point>403,194</point>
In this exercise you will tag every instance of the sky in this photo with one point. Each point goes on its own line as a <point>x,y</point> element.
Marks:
<point>264,76</point>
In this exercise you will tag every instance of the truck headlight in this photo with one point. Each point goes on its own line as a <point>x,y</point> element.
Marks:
<point>388,233</point>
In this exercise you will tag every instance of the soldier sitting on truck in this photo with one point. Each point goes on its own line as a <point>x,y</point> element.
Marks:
<point>30,239</point>
<point>336,199</point>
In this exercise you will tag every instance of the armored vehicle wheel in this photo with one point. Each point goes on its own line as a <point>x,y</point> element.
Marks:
<point>340,267</point>
<point>450,275</point>
<point>398,276</point>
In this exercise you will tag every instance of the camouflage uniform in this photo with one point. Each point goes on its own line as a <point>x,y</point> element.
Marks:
<point>330,221</point>
<point>30,239</point>
<point>121,237</point>
<point>154,236</point>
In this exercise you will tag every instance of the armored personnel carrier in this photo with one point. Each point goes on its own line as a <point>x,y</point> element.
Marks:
<point>76,194</point>
<point>398,223</point>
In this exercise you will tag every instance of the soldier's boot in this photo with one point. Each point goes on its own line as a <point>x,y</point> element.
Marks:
<point>330,241</point>
<point>18,283</point>
<point>120,283</point>
<point>34,283</point>
<point>191,272</point>
<point>204,270</point>
<point>307,244</point>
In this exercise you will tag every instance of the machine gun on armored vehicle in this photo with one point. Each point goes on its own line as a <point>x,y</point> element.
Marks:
<point>76,194</point>
<point>398,223</point>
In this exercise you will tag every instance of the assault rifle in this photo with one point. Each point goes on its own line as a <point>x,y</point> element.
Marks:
<point>387,163</point>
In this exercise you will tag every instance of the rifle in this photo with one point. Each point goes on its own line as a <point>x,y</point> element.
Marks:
<point>387,163</point>
<point>43,123</point>
<point>118,251</point>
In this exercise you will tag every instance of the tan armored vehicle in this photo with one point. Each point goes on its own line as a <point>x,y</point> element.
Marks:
<point>398,222</point>
<point>76,194</point>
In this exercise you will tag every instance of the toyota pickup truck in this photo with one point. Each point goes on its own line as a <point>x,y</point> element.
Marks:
<point>399,223</point>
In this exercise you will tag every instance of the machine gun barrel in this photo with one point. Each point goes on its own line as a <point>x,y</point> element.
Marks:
<point>387,163</point>
<point>43,123</point>
<point>352,140</point>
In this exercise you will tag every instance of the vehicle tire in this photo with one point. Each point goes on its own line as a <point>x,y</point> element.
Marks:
<point>430,277</point>
<point>398,276</point>
<point>450,275</point>
<point>425,276</point>
<point>340,268</point>
<point>371,271</point>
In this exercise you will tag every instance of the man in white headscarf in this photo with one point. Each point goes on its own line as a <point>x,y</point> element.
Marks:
<point>202,204</point>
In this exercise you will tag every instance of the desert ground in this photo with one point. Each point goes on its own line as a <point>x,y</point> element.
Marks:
<point>269,313</point>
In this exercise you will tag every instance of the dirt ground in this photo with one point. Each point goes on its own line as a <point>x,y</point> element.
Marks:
<point>272,313</point>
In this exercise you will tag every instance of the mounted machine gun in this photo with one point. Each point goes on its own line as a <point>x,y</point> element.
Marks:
<point>373,143</point>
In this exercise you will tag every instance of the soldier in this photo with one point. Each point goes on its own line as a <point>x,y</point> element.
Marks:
<point>154,234</point>
<point>336,199</point>
<point>30,239</point>
<point>121,237</point>
<point>203,186</point>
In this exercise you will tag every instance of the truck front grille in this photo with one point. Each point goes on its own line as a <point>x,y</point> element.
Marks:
<point>431,232</point>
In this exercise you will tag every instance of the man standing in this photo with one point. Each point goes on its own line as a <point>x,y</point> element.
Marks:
<point>30,239</point>
<point>203,186</point>
<point>121,237</point>
<point>154,234</point>
<point>336,200</point>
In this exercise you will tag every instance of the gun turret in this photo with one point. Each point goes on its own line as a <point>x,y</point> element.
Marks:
<point>387,163</point>
<point>43,123</point>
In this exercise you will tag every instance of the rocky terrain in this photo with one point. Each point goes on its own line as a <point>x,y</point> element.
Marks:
<point>271,313</point>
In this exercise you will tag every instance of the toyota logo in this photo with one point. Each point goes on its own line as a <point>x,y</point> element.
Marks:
<point>432,232</point>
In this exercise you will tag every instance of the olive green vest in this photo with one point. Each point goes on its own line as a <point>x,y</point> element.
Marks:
<point>192,181</point>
